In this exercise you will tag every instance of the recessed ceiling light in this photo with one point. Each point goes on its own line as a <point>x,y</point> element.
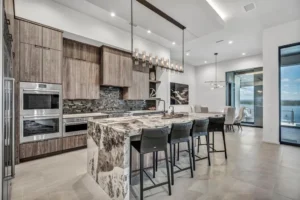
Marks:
<point>230,42</point>
<point>187,53</point>
<point>112,14</point>
<point>243,54</point>
<point>149,31</point>
<point>173,43</point>
<point>205,62</point>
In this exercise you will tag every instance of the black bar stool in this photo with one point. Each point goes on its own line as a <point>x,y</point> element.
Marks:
<point>152,141</point>
<point>180,132</point>
<point>216,124</point>
<point>199,129</point>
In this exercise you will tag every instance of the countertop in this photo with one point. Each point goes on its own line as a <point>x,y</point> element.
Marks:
<point>66,116</point>
<point>132,125</point>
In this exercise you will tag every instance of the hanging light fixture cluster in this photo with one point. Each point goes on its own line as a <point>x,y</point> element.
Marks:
<point>150,61</point>
<point>216,84</point>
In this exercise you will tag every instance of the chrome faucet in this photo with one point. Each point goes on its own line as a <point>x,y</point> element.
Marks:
<point>172,112</point>
<point>164,105</point>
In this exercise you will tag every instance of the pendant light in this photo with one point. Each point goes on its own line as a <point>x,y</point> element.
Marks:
<point>216,84</point>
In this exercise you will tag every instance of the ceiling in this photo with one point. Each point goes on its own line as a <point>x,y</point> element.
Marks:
<point>206,21</point>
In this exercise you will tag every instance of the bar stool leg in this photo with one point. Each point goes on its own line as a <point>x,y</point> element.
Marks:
<point>207,145</point>
<point>172,168</point>
<point>224,144</point>
<point>174,153</point>
<point>213,140</point>
<point>199,142</point>
<point>178,152</point>
<point>190,157</point>
<point>156,158</point>
<point>141,176</point>
<point>154,163</point>
<point>130,163</point>
<point>193,153</point>
<point>168,171</point>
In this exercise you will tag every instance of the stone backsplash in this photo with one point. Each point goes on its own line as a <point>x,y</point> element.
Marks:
<point>110,100</point>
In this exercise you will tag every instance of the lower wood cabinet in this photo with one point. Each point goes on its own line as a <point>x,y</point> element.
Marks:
<point>40,148</point>
<point>75,141</point>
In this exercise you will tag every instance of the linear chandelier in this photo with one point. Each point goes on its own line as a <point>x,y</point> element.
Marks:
<point>216,84</point>
<point>150,61</point>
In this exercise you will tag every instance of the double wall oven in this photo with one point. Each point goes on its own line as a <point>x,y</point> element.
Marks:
<point>41,111</point>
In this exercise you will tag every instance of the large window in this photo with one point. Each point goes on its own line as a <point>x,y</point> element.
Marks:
<point>289,70</point>
<point>245,89</point>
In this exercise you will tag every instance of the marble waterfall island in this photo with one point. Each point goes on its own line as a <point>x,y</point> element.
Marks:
<point>108,143</point>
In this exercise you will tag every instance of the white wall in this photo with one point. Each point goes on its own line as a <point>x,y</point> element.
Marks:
<point>216,99</point>
<point>53,14</point>
<point>273,38</point>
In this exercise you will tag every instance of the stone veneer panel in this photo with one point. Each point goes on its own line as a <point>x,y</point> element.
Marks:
<point>110,100</point>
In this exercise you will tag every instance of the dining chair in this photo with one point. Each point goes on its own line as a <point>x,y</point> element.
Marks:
<point>229,118</point>
<point>204,109</point>
<point>240,118</point>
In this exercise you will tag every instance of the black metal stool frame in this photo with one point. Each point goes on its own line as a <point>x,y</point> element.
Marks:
<point>152,141</point>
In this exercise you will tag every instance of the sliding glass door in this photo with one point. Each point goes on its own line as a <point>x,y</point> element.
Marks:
<point>245,89</point>
<point>289,73</point>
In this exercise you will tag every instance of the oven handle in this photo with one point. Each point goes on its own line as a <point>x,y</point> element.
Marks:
<point>40,116</point>
<point>75,123</point>
<point>42,91</point>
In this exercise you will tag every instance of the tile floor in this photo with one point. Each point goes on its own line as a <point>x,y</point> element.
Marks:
<point>254,171</point>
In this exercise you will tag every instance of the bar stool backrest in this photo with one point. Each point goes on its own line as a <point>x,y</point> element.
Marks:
<point>216,124</point>
<point>181,131</point>
<point>154,139</point>
<point>200,126</point>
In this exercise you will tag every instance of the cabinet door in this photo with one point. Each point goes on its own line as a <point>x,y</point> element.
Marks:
<point>30,33</point>
<point>139,88</point>
<point>31,63</point>
<point>83,70</point>
<point>69,79</point>
<point>111,65</point>
<point>52,60</point>
<point>94,86</point>
<point>126,70</point>
<point>52,39</point>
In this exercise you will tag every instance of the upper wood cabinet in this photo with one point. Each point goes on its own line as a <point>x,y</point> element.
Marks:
<point>52,61</point>
<point>31,33</point>
<point>31,62</point>
<point>80,79</point>
<point>52,39</point>
<point>40,51</point>
<point>78,50</point>
<point>139,88</point>
<point>116,67</point>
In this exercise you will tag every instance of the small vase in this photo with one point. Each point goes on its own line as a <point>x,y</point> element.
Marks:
<point>152,76</point>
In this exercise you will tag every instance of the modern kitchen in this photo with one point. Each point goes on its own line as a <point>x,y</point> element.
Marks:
<point>135,100</point>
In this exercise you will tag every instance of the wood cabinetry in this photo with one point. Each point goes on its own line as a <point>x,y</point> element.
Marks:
<point>31,60</point>
<point>75,141</point>
<point>40,53</point>
<point>80,79</point>
<point>116,67</point>
<point>80,51</point>
<point>139,88</point>
<point>52,39</point>
<point>40,148</point>
<point>52,62</point>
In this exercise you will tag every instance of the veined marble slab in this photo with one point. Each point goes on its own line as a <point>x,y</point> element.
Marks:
<point>108,143</point>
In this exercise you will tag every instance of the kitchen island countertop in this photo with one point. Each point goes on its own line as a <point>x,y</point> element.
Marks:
<point>108,143</point>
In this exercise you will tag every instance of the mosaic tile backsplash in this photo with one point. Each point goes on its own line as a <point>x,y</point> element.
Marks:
<point>110,100</point>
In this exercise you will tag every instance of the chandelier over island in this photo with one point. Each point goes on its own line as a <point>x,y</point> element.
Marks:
<point>150,61</point>
<point>216,84</point>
